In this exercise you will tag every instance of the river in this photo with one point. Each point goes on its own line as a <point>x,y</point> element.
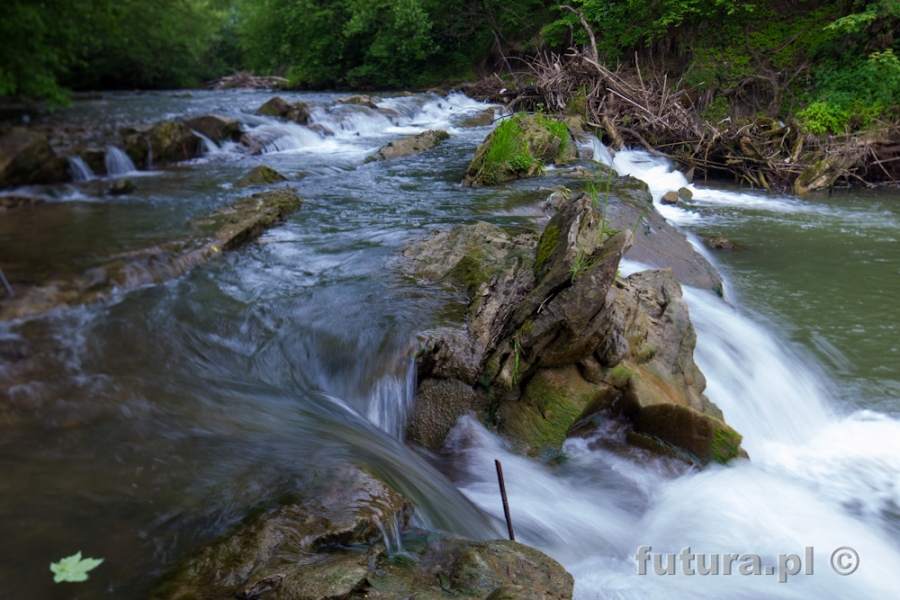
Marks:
<point>158,420</point>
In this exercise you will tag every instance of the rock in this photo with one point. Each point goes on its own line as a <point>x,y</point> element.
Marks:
<point>718,242</point>
<point>16,200</point>
<point>94,157</point>
<point>823,173</point>
<point>703,437</point>
<point>482,119</point>
<point>26,158</point>
<point>359,100</point>
<point>685,194</point>
<point>248,561</point>
<point>519,147</point>
<point>225,229</point>
<point>410,145</point>
<point>486,566</point>
<point>439,404</point>
<point>554,399</point>
<point>122,186</point>
<point>515,592</point>
<point>298,112</point>
<point>669,198</point>
<point>655,242</point>
<point>216,127</point>
<point>162,143</point>
<point>260,175</point>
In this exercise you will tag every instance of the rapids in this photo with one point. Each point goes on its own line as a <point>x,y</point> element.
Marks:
<point>148,426</point>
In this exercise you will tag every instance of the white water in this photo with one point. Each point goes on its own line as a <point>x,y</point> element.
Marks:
<point>816,478</point>
<point>118,163</point>
<point>391,400</point>
<point>80,169</point>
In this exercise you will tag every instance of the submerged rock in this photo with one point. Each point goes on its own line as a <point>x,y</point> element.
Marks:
<point>519,147</point>
<point>298,112</point>
<point>260,175</point>
<point>717,242</point>
<point>216,127</point>
<point>482,119</point>
<point>225,229</point>
<point>122,186</point>
<point>358,100</point>
<point>27,158</point>
<point>410,145</point>
<point>16,200</point>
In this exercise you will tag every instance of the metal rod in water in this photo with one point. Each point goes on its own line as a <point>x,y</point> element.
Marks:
<point>8,287</point>
<point>512,535</point>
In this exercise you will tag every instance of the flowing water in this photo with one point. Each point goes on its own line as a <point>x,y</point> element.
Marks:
<point>153,423</point>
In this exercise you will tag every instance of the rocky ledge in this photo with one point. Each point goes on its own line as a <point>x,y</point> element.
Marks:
<point>332,546</point>
<point>225,229</point>
<point>557,341</point>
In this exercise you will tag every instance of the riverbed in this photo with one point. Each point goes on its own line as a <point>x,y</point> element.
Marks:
<point>149,425</point>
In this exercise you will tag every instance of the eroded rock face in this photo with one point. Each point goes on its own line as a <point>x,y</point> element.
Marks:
<point>297,112</point>
<point>27,158</point>
<point>555,337</point>
<point>410,145</point>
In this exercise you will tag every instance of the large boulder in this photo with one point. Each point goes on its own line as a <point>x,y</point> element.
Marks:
<point>297,112</point>
<point>520,147</point>
<point>410,145</point>
<point>359,100</point>
<point>218,128</point>
<point>27,158</point>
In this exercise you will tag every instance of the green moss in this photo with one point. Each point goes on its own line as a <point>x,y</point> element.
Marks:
<point>725,445</point>
<point>546,247</point>
<point>470,273</point>
<point>527,327</point>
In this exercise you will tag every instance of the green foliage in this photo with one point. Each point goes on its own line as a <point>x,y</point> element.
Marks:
<point>73,568</point>
<point>508,151</point>
<point>580,264</point>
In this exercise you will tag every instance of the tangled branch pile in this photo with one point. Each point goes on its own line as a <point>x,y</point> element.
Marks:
<point>627,106</point>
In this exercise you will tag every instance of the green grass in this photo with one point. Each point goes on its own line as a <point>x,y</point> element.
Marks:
<point>507,152</point>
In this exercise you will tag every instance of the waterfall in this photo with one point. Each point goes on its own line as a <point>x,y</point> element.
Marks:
<point>118,163</point>
<point>79,169</point>
<point>209,146</point>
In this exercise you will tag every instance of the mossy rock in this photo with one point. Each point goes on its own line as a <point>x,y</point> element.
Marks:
<point>260,175</point>
<point>410,145</point>
<point>520,147</point>
<point>297,112</point>
<point>553,400</point>
<point>27,158</point>
<point>704,438</point>
<point>482,119</point>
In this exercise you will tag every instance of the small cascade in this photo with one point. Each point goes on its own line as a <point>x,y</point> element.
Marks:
<point>118,163</point>
<point>391,400</point>
<point>79,169</point>
<point>391,535</point>
<point>209,146</point>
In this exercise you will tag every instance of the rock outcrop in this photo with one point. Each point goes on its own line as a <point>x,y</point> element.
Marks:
<point>410,145</point>
<point>331,546</point>
<point>297,112</point>
<point>359,100</point>
<point>555,338</point>
<point>27,158</point>
<point>519,147</point>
